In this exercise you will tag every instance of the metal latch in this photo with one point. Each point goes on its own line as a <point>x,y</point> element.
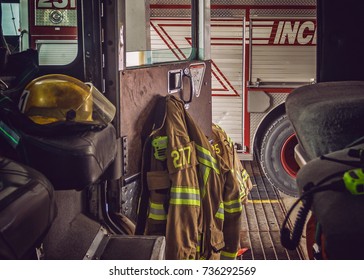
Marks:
<point>175,83</point>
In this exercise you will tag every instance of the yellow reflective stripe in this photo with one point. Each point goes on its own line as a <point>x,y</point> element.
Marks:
<point>204,157</point>
<point>231,143</point>
<point>220,212</point>
<point>245,175</point>
<point>206,152</point>
<point>231,202</point>
<point>158,206</point>
<point>220,216</point>
<point>217,126</point>
<point>206,173</point>
<point>208,163</point>
<point>227,255</point>
<point>185,196</point>
<point>242,195</point>
<point>157,212</point>
<point>200,246</point>
<point>233,206</point>
<point>157,217</point>
<point>243,187</point>
<point>184,202</point>
<point>185,190</point>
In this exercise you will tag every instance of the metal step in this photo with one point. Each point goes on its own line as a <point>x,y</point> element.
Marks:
<point>263,216</point>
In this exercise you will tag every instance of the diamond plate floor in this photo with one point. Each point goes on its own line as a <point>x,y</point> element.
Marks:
<point>263,216</point>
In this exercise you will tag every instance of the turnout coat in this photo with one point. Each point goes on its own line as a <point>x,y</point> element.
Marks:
<point>193,187</point>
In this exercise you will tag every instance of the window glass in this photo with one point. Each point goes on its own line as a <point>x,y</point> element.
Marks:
<point>10,19</point>
<point>10,25</point>
<point>50,26</point>
<point>158,32</point>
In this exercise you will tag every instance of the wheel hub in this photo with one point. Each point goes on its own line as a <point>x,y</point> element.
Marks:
<point>287,156</point>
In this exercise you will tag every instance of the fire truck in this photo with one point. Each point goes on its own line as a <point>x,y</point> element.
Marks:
<point>260,52</point>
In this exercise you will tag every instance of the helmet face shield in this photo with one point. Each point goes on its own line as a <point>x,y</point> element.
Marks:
<point>103,109</point>
<point>57,98</point>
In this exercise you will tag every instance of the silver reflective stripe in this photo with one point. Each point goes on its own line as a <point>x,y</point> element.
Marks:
<point>233,206</point>
<point>205,158</point>
<point>220,212</point>
<point>185,196</point>
<point>157,212</point>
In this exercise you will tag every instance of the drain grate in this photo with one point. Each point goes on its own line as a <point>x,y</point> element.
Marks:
<point>263,216</point>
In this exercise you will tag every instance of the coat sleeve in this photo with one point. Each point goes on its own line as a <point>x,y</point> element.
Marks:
<point>232,214</point>
<point>237,186</point>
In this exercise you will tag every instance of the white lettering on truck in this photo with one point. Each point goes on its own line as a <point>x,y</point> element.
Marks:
<point>294,33</point>
<point>63,4</point>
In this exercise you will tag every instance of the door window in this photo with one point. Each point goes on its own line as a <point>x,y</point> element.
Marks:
<point>158,33</point>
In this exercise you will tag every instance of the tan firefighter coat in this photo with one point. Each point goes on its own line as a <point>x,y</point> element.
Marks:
<point>195,189</point>
<point>236,187</point>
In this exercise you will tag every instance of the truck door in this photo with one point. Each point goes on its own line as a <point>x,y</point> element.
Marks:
<point>137,73</point>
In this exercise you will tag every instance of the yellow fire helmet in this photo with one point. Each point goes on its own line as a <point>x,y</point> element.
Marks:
<point>55,97</point>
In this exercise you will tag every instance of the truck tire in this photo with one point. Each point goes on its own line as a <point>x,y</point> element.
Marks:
<point>277,156</point>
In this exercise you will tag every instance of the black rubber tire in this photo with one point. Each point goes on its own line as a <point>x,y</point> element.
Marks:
<point>270,156</point>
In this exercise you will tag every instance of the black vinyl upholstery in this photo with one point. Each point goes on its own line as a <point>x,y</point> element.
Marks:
<point>71,161</point>
<point>327,116</point>
<point>27,209</point>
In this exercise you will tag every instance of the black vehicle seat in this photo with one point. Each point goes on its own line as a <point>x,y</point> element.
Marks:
<point>326,116</point>
<point>27,209</point>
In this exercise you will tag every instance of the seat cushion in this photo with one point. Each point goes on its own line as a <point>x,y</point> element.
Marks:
<point>27,209</point>
<point>326,116</point>
<point>71,161</point>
